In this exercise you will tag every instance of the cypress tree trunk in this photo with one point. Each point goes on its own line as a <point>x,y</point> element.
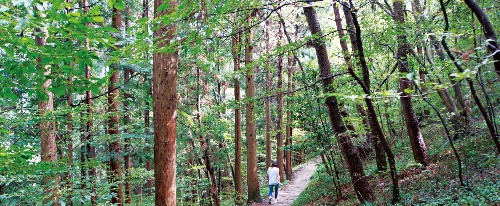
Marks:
<point>288,139</point>
<point>147,132</point>
<point>88,151</point>
<point>251,128</point>
<point>46,126</point>
<point>268,103</point>
<point>165,66</point>
<point>238,185</point>
<point>279,125</point>
<point>69,139</point>
<point>127,159</point>
<point>113,125</point>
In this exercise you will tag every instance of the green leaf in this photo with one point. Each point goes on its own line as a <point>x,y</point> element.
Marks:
<point>8,51</point>
<point>408,91</point>
<point>120,5</point>
<point>98,19</point>
<point>59,91</point>
<point>111,3</point>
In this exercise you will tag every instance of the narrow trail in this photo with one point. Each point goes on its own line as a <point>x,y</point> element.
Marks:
<point>288,193</point>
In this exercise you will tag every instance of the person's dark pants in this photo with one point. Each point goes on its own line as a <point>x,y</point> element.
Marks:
<point>276,186</point>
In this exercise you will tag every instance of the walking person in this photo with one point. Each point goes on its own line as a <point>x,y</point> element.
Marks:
<point>273,175</point>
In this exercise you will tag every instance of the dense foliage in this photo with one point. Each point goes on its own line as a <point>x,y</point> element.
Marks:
<point>82,50</point>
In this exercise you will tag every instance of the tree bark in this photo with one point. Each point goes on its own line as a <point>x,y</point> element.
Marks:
<point>88,151</point>
<point>251,128</point>
<point>69,140</point>
<point>359,180</point>
<point>358,50</point>
<point>279,125</point>
<point>47,126</point>
<point>165,66</point>
<point>268,101</point>
<point>113,125</point>
<point>127,159</point>
<point>417,141</point>
<point>238,185</point>
<point>288,139</point>
<point>375,128</point>
<point>147,132</point>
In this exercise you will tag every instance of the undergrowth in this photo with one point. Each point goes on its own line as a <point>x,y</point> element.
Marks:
<point>437,184</point>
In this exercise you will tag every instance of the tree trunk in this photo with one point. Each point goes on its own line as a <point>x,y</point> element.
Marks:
<point>268,102</point>
<point>417,141</point>
<point>375,142</point>
<point>47,126</point>
<point>251,128</point>
<point>445,96</point>
<point>69,140</point>
<point>279,125</point>
<point>238,185</point>
<point>147,132</point>
<point>288,139</point>
<point>165,66</point>
<point>359,180</point>
<point>149,166</point>
<point>126,122</point>
<point>357,49</point>
<point>88,151</point>
<point>489,31</point>
<point>113,125</point>
<point>375,128</point>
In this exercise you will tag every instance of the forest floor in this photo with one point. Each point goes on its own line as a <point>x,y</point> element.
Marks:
<point>436,184</point>
<point>289,192</point>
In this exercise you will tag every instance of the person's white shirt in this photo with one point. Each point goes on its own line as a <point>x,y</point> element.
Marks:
<point>273,174</point>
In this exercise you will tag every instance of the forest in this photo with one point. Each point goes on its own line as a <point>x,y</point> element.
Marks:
<point>189,102</point>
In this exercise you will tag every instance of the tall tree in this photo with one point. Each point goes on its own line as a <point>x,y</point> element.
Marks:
<point>147,122</point>
<point>115,161</point>
<point>235,48</point>
<point>375,128</point>
<point>88,150</point>
<point>412,124</point>
<point>268,100</point>
<point>165,66</point>
<point>251,127</point>
<point>45,108</point>
<point>69,141</point>
<point>126,122</point>
<point>288,138</point>
<point>359,180</point>
<point>279,124</point>
<point>357,48</point>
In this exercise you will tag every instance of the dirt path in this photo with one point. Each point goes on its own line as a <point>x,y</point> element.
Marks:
<point>288,193</point>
